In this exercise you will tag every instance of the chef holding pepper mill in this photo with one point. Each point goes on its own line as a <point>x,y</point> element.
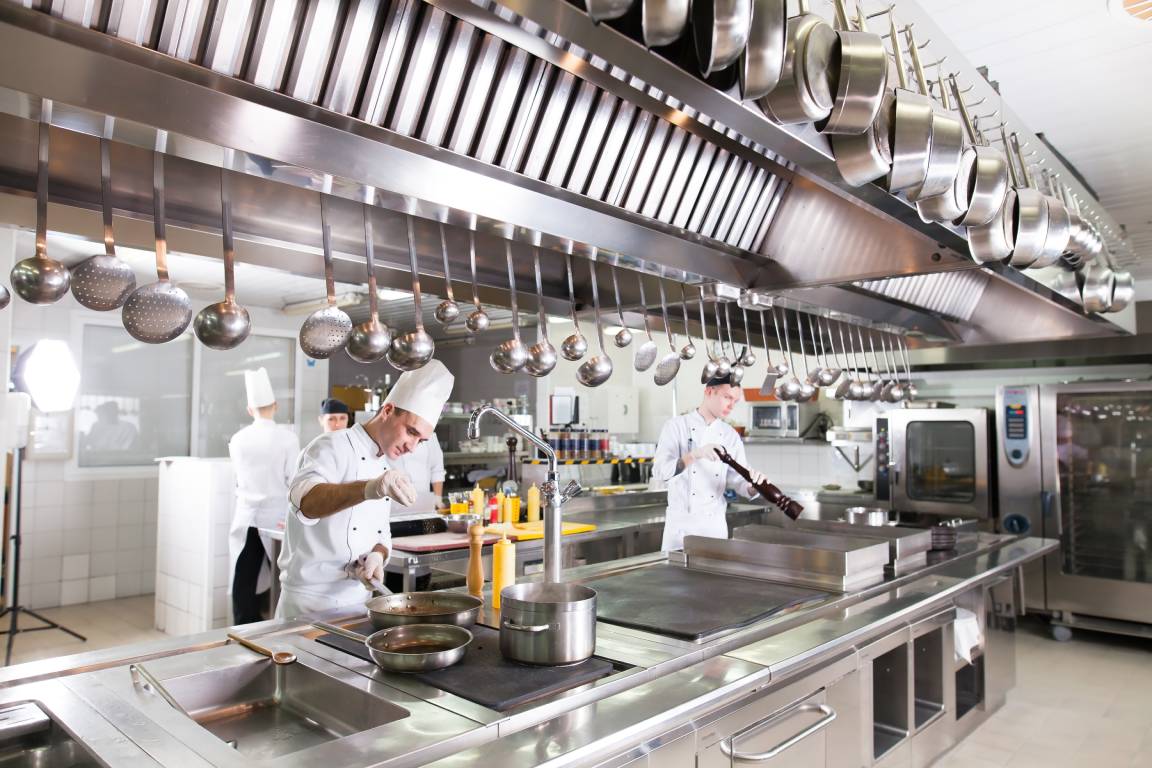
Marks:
<point>688,461</point>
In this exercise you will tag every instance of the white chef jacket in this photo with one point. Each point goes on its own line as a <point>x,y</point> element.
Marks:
<point>696,504</point>
<point>425,465</point>
<point>263,459</point>
<point>316,551</point>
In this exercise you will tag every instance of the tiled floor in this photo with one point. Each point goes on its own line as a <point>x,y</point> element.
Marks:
<point>1082,704</point>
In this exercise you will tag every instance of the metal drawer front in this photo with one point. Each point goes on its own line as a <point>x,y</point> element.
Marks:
<point>791,738</point>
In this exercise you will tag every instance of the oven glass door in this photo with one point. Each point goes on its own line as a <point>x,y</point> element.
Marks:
<point>940,460</point>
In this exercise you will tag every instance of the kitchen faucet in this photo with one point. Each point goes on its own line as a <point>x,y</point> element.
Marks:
<point>550,490</point>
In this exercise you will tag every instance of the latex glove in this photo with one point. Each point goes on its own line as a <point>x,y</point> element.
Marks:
<point>709,452</point>
<point>370,566</point>
<point>394,484</point>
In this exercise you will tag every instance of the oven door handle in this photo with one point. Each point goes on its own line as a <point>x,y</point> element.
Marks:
<point>727,746</point>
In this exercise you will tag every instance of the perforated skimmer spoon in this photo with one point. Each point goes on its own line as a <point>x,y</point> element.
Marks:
<point>103,281</point>
<point>414,349</point>
<point>225,324</point>
<point>645,354</point>
<point>160,311</point>
<point>326,330</point>
<point>669,364</point>
<point>371,339</point>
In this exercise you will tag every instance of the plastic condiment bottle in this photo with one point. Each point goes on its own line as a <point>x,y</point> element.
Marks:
<point>475,578</point>
<point>533,503</point>
<point>503,568</point>
<point>477,501</point>
<point>500,514</point>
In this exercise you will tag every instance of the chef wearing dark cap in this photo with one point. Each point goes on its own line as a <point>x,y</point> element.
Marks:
<point>686,461</point>
<point>333,415</point>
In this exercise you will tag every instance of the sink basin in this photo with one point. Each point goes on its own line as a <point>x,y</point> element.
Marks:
<point>29,737</point>
<point>267,710</point>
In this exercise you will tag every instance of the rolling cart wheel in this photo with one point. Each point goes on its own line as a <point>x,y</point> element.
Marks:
<point>1060,634</point>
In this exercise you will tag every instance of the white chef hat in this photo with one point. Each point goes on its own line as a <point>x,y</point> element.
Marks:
<point>259,388</point>
<point>423,391</point>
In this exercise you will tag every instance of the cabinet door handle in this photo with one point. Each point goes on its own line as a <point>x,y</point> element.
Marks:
<point>726,746</point>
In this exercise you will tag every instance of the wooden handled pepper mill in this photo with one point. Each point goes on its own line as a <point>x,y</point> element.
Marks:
<point>475,578</point>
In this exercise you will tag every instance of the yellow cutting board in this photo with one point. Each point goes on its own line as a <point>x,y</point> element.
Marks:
<point>529,531</point>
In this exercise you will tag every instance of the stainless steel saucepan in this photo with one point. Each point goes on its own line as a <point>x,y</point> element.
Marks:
<point>986,187</point>
<point>867,156</point>
<point>1030,216</point>
<point>803,95</point>
<point>947,137</point>
<point>547,624</point>
<point>952,203</point>
<point>719,32</point>
<point>910,127</point>
<point>663,21</point>
<point>861,77</point>
<point>763,57</point>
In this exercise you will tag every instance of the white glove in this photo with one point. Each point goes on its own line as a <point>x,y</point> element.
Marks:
<point>709,452</point>
<point>394,484</point>
<point>370,566</point>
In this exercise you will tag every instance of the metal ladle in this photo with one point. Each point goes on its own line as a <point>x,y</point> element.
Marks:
<point>645,354</point>
<point>831,373</point>
<point>326,330</point>
<point>225,324</point>
<point>688,351</point>
<point>860,389</point>
<point>541,355</point>
<point>575,345</point>
<point>160,311</point>
<point>512,355</point>
<point>711,367</point>
<point>788,389</point>
<point>669,364</point>
<point>103,281</point>
<point>371,339</point>
<point>723,363</point>
<point>597,369</point>
<point>414,349</point>
<point>736,370</point>
<point>39,279</point>
<point>782,367</point>
<point>844,388</point>
<point>877,383</point>
<point>448,310</point>
<point>477,321</point>
<point>747,355</point>
<point>894,392</point>
<point>771,376</point>
<point>813,374</point>
<point>624,335</point>
<point>909,387</point>
<point>807,388</point>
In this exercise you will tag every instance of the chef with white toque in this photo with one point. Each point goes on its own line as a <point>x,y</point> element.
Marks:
<point>341,496</point>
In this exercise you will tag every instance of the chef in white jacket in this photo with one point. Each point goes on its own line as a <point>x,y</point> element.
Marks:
<point>342,493</point>
<point>687,464</point>
<point>263,459</point>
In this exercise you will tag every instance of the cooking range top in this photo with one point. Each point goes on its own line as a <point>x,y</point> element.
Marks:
<point>485,677</point>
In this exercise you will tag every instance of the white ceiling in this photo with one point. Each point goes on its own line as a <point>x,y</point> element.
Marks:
<point>1078,74</point>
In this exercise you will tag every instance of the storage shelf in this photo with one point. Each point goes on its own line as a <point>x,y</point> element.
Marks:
<point>583,462</point>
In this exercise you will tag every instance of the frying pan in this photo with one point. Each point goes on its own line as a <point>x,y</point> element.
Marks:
<point>719,32</point>
<point>413,648</point>
<point>763,57</point>
<point>987,184</point>
<point>861,79</point>
<point>404,608</point>
<point>1030,216</point>
<point>663,21</point>
<point>947,137</point>
<point>868,156</point>
<point>801,96</point>
<point>910,129</point>
<point>952,203</point>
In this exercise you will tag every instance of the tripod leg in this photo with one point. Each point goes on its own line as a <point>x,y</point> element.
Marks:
<point>53,625</point>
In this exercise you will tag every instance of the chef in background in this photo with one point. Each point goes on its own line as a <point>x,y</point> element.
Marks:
<point>333,415</point>
<point>686,462</point>
<point>263,459</point>
<point>342,493</point>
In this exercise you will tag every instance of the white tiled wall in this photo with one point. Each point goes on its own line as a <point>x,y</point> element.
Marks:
<point>806,466</point>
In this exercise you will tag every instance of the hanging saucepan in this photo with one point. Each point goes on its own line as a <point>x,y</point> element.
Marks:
<point>910,129</point>
<point>663,21</point>
<point>763,57</point>
<point>1077,230</point>
<point>952,203</point>
<point>1123,291</point>
<point>1059,227</point>
<point>719,32</point>
<point>947,137</point>
<point>602,10</point>
<point>1097,283</point>
<point>861,79</point>
<point>987,183</point>
<point>868,156</point>
<point>803,96</point>
<point>1030,216</point>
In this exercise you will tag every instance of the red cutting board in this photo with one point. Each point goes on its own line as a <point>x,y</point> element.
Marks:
<point>436,542</point>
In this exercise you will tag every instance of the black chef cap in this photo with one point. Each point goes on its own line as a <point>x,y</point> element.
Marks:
<point>332,405</point>
<point>717,381</point>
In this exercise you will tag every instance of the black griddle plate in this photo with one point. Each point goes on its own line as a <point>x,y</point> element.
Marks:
<point>484,676</point>
<point>686,604</point>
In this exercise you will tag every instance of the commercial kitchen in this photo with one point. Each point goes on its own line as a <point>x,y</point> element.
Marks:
<point>576,383</point>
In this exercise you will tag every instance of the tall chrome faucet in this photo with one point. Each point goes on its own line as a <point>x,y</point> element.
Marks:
<point>553,496</point>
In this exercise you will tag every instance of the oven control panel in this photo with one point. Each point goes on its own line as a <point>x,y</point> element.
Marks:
<point>1017,407</point>
<point>882,458</point>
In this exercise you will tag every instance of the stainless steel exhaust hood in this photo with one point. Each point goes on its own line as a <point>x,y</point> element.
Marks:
<point>516,120</point>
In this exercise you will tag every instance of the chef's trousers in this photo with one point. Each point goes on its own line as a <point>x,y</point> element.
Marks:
<point>247,605</point>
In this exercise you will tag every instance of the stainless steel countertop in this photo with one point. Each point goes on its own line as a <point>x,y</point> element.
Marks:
<point>667,681</point>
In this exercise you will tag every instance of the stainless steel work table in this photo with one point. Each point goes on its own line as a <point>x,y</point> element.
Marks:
<point>660,686</point>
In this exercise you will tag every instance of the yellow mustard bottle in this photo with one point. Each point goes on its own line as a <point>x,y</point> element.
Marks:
<point>500,512</point>
<point>478,501</point>
<point>503,568</point>
<point>533,503</point>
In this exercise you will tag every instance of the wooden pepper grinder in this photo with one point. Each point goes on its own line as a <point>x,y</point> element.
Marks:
<point>475,579</point>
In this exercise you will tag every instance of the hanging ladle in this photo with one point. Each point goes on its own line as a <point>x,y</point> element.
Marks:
<point>477,321</point>
<point>736,369</point>
<point>669,364</point>
<point>541,355</point>
<point>448,310</point>
<point>512,355</point>
<point>623,336</point>
<point>831,373</point>
<point>807,388</point>
<point>876,387</point>
<point>844,388</point>
<point>645,354</point>
<point>783,368</point>
<point>414,349</point>
<point>688,351</point>
<point>813,374</point>
<point>575,346</point>
<point>39,279</point>
<point>371,339</point>
<point>894,391</point>
<point>326,330</point>
<point>225,324</point>
<point>103,281</point>
<point>789,388</point>
<point>712,367</point>
<point>909,387</point>
<point>747,355</point>
<point>772,374</point>
<point>597,369</point>
<point>723,364</point>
